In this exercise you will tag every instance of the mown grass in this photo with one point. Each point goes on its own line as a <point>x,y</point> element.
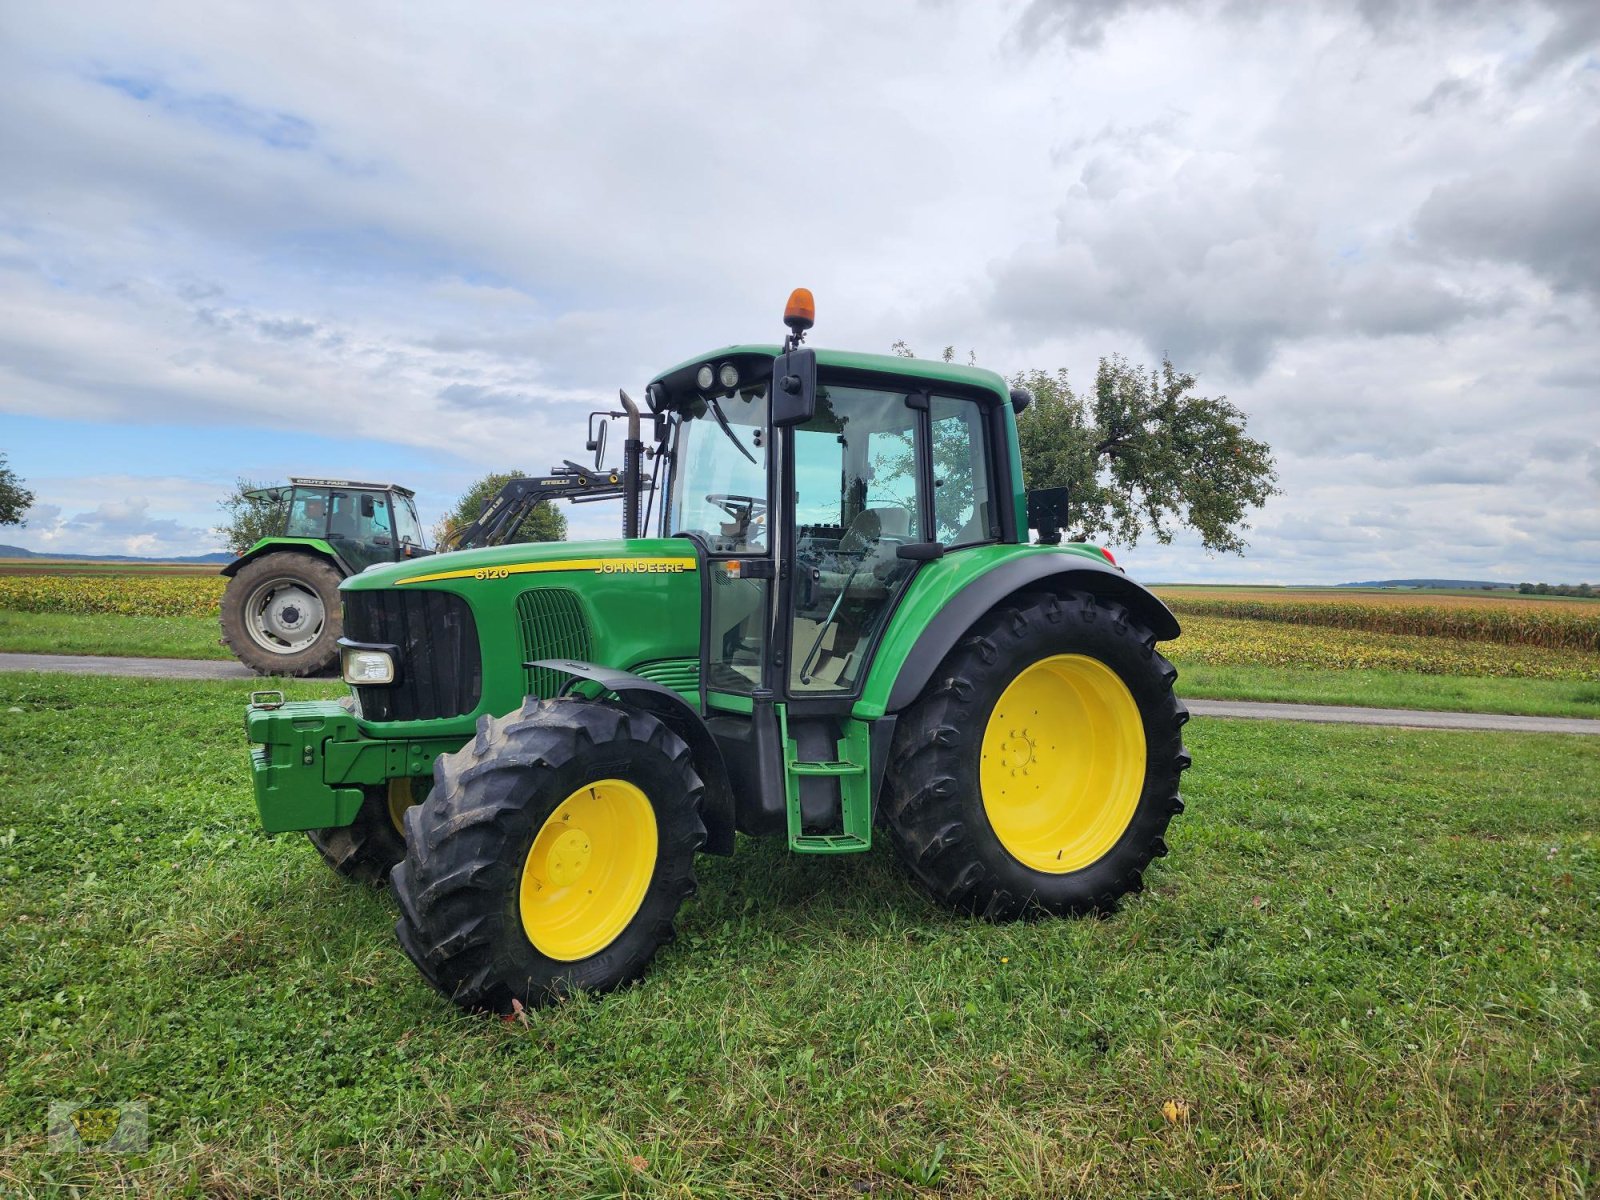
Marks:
<point>132,637</point>
<point>1366,969</point>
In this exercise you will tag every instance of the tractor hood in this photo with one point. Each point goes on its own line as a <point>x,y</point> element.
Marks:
<point>637,556</point>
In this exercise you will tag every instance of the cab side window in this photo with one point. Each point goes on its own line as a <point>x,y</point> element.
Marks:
<point>963,506</point>
<point>308,514</point>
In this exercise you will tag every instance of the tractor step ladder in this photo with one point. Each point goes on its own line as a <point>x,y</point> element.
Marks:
<point>855,791</point>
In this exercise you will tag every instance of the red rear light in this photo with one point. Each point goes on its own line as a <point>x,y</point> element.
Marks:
<point>1107,554</point>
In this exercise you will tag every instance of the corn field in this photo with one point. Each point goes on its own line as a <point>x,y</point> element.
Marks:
<point>1227,642</point>
<point>1550,625</point>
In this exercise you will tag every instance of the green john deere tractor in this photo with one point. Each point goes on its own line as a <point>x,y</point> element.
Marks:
<point>831,623</point>
<point>280,612</point>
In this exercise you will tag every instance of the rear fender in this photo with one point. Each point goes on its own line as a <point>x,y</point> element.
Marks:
<point>673,711</point>
<point>314,546</point>
<point>1051,572</point>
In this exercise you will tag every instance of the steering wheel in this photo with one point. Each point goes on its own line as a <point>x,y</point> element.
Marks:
<point>741,508</point>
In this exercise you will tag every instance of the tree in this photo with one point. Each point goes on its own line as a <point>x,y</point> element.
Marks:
<point>15,500</point>
<point>546,523</point>
<point>1146,456</point>
<point>248,518</point>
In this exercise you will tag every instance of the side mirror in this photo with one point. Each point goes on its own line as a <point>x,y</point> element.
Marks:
<point>794,388</point>
<point>597,439</point>
<point>368,508</point>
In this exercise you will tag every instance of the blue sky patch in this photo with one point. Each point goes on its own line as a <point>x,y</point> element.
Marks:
<point>215,111</point>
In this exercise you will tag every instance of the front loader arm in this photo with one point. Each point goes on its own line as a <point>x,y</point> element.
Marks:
<point>506,511</point>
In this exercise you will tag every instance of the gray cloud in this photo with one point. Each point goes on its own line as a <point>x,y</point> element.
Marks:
<point>1573,26</point>
<point>1557,448</point>
<point>1207,254</point>
<point>1449,93</point>
<point>1544,216</point>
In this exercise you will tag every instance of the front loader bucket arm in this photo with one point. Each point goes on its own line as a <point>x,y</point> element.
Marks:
<point>518,497</point>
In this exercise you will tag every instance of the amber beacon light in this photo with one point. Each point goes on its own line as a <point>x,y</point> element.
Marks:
<point>801,312</point>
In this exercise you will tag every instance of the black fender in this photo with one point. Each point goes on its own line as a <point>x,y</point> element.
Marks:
<point>678,715</point>
<point>239,563</point>
<point>1053,572</point>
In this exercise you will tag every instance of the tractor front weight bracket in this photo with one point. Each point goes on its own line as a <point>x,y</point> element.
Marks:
<point>309,761</point>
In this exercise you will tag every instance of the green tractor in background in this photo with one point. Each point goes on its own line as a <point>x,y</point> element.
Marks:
<point>280,612</point>
<point>833,625</point>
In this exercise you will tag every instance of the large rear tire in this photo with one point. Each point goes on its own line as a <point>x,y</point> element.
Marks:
<point>551,856</point>
<point>1039,769</point>
<point>281,614</point>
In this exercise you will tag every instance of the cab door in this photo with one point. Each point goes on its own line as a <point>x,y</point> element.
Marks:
<point>722,498</point>
<point>859,484</point>
<point>360,528</point>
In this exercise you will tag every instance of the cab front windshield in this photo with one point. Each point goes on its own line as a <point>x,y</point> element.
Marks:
<point>718,492</point>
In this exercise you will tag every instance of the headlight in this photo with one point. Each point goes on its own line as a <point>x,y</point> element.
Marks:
<point>705,377</point>
<point>366,667</point>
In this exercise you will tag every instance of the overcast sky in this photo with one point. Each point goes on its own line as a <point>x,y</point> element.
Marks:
<point>422,242</point>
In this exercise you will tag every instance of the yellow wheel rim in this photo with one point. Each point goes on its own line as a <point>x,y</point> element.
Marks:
<point>588,869</point>
<point>1063,763</point>
<point>402,795</point>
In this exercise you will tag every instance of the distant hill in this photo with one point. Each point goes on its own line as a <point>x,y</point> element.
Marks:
<point>220,556</point>
<point>1478,584</point>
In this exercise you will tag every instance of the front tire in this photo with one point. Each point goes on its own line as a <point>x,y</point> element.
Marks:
<point>1039,769</point>
<point>552,854</point>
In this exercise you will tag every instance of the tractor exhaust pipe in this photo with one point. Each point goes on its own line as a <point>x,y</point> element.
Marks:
<point>632,468</point>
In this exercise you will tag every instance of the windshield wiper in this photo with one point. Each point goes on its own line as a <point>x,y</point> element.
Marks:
<point>716,411</point>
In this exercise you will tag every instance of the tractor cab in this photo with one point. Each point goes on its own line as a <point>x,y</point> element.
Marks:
<point>813,516</point>
<point>364,523</point>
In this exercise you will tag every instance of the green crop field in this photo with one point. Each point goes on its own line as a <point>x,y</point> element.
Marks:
<point>1367,968</point>
<point>78,566</point>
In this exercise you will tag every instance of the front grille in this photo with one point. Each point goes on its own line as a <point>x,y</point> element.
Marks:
<point>553,625</point>
<point>440,667</point>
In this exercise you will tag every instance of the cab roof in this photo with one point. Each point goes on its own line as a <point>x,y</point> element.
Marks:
<point>675,380</point>
<point>356,485</point>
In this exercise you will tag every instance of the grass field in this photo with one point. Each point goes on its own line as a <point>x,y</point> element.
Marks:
<point>133,637</point>
<point>1366,969</point>
<point>1392,689</point>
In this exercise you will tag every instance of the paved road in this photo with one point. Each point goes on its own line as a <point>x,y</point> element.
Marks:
<point>1411,718</point>
<point>150,668</point>
<point>174,668</point>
